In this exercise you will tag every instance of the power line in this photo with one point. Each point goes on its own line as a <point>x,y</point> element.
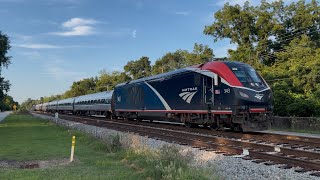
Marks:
<point>285,40</point>
<point>279,50</point>
<point>280,79</point>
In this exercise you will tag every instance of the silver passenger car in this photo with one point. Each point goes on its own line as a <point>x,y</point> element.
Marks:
<point>44,107</point>
<point>94,104</point>
<point>52,106</point>
<point>38,107</point>
<point>65,105</point>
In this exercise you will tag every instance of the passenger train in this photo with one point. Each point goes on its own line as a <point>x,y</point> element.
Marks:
<point>218,94</point>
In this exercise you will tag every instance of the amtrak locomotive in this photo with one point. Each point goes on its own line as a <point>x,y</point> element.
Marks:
<point>217,94</point>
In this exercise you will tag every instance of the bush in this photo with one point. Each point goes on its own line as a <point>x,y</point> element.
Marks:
<point>281,100</point>
<point>115,143</point>
<point>166,163</point>
<point>302,108</point>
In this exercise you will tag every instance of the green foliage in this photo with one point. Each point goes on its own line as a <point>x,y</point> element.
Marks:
<point>107,81</point>
<point>182,58</point>
<point>82,87</point>
<point>262,30</point>
<point>5,60</point>
<point>139,68</point>
<point>8,103</point>
<point>169,62</point>
<point>166,163</point>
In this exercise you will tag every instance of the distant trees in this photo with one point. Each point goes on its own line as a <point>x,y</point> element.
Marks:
<point>107,81</point>
<point>182,58</point>
<point>4,62</point>
<point>82,87</point>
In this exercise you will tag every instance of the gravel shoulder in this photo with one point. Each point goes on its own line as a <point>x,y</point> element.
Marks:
<point>292,133</point>
<point>226,167</point>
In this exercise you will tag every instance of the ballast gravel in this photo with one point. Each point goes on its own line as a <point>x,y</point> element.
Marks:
<point>226,167</point>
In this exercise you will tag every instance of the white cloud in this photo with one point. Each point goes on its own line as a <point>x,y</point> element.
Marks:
<point>134,33</point>
<point>74,22</point>
<point>57,69</point>
<point>36,46</point>
<point>60,73</point>
<point>33,55</point>
<point>77,27</point>
<point>76,31</point>
<point>182,13</point>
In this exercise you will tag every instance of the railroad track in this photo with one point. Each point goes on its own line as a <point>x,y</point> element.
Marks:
<point>271,149</point>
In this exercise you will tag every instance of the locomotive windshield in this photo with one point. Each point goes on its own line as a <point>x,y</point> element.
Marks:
<point>248,77</point>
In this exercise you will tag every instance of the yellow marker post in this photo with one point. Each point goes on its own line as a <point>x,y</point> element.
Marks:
<point>72,148</point>
<point>14,107</point>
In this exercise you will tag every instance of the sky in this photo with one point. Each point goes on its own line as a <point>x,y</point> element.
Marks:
<point>57,42</point>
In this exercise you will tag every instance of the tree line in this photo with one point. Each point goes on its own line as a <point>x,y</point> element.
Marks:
<point>6,101</point>
<point>280,40</point>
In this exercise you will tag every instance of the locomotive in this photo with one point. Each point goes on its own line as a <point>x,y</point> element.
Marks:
<point>218,94</point>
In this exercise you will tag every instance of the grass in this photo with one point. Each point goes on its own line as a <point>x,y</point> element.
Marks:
<point>25,138</point>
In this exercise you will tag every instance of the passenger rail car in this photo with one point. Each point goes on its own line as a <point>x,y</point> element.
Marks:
<point>90,104</point>
<point>94,104</point>
<point>65,105</point>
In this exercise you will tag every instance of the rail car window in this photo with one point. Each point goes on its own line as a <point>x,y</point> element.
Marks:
<point>249,77</point>
<point>197,79</point>
<point>254,76</point>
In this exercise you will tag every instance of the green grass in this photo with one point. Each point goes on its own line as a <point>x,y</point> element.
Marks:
<point>25,138</point>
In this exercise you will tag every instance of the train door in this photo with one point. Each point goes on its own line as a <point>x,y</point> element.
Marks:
<point>217,93</point>
<point>208,92</point>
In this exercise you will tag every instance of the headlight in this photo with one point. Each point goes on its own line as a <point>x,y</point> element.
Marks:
<point>243,94</point>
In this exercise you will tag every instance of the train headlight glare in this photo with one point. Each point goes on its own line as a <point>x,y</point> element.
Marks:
<point>243,95</point>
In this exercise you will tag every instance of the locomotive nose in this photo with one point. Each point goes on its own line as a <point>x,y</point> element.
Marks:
<point>245,95</point>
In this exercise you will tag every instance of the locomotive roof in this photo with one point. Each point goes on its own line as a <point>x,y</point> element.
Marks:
<point>178,71</point>
<point>158,76</point>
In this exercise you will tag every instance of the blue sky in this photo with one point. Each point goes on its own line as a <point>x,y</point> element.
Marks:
<point>55,42</point>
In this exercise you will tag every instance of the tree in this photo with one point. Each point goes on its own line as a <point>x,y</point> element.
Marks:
<point>9,103</point>
<point>282,42</point>
<point>170,61</point>
<point>107,81</point>
<point>182,58</point>
<point>200,54</point>
<point>138,68</point>
<point>263,30</point>
<point>4,62</point>
<point>82,87</point>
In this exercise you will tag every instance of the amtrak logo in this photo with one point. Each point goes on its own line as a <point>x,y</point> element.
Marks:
<point>259,96</point>
<point>188,93</point>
